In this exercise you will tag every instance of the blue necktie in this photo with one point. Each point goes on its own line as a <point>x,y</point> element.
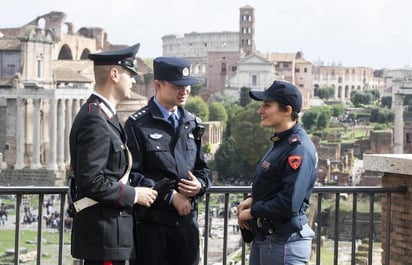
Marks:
<point>173,120</point>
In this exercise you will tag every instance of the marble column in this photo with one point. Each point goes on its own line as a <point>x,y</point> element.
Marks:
<point>29,131</point>
<point>45,150</point>
<point>60,133</point>
<point>53,131</point>
<point>69,121</point>
<point>398,123</point>
<point>35,163</point>
<point>20,137</point>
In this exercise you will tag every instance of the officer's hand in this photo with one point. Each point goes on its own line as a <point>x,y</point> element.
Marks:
<point>246,204</point>
<point>182,204</point>
<point>145,196</point>
<point>189,187</point>
<point>242,217</point>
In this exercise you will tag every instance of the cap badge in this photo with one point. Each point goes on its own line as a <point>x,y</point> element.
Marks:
<point>185,71</point>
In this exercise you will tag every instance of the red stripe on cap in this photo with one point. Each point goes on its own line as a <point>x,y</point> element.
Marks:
<point>107,262</point>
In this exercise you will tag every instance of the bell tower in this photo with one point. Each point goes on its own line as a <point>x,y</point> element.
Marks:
<point>247,30</point>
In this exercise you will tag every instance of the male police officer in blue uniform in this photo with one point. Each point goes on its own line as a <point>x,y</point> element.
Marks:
<point>165,141</point>
<point>283,183</point>
<point>100,163</point>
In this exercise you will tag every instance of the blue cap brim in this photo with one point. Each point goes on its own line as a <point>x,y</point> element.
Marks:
<point>185,82</point>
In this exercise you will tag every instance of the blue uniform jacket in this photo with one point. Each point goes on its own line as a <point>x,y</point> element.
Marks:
<point>285,176</point>
<point>159,151</point>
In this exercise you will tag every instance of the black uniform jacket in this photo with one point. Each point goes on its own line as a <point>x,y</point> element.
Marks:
<point>99,160</point>
<point>161,151</point>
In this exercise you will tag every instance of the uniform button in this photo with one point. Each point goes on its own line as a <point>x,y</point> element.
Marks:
<point>157,147</point>
<point>177,223</point>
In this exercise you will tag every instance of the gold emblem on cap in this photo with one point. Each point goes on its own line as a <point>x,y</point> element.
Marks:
<point>185,71</point>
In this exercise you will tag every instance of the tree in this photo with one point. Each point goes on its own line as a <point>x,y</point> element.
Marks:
<point>198,106</point>
<point>244,96</point>
<point>309,118</point>
<point>386,101</point>
<point>316,117</point>
<point>337,110</point>
<point>195,89</point>
<point>251,139</point>
<point>217,112</point>
<point>325,92</point>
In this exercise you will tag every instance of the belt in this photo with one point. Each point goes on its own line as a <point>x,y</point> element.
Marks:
<point>276,226</point>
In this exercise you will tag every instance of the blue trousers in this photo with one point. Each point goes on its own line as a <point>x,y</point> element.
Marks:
<point>276,250</point>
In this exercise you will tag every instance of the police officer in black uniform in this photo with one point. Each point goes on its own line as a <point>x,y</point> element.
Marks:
<point>283,183</point>
<point>103,198</point>
<point>165,141</point>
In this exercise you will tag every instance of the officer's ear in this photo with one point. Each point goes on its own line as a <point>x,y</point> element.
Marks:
<point>114,74</point>
<point>289,109</point>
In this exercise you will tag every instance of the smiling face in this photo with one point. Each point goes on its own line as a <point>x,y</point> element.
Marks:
<point>271,116</point>
<point>171,96</point>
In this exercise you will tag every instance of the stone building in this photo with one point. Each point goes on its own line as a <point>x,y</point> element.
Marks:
<point>227,61</point>
<point>344,80</point>
<point>44,79</point>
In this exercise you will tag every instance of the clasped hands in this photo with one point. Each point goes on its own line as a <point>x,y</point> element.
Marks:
<point>244,213</point>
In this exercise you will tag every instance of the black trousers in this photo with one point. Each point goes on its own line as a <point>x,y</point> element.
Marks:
<point>101,262</point>
<point>159,244</point>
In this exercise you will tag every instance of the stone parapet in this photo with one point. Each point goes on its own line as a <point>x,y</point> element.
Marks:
<point>389,163</point>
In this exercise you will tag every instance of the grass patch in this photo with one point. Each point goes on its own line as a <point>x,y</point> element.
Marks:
<point>28,239</point>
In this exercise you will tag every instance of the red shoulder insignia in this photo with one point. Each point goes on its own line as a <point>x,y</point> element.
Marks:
<point>295,161</point>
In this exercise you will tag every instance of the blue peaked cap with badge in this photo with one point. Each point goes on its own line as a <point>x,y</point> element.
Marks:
<point>282,92</point>
<point>124,57</point>
<point>173,70</point>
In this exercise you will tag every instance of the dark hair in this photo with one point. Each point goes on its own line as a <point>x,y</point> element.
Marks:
<point>294,115</point>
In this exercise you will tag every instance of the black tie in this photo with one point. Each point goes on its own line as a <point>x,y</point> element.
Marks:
<point>173,120</point>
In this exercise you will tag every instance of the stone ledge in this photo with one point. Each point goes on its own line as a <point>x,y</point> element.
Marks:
<point>390,163</point>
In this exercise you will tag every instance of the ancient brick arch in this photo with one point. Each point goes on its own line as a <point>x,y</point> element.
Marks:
<point>65,53</point>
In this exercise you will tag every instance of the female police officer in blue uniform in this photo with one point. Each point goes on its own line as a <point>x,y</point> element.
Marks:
<point>165,141</point>
<point>99,160</point>
<point>283,183</point>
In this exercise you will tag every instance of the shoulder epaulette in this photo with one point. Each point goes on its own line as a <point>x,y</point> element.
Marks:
<point>196,118</point>
<point>294,139</point>
<point>139,114</point>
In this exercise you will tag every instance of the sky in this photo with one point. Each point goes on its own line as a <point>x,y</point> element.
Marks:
<point>371,33</point>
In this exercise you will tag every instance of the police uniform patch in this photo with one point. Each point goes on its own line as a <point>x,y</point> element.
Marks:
<point>293,139</point>
<point>295,161</point>
<point>155,136</point>
<point>265,164</point>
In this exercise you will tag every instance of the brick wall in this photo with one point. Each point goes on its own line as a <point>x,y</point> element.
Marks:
<point>401,223</point>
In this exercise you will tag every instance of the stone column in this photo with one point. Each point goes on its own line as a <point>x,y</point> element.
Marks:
<point>60,133</point>
<point>76,107</point>
<point>20,137</point>
<point>35,163</point>
<point>53,131</point>
<point>398,123</point>
<point>29,131</point>
<point>45,150</point>
<point>68,125</point>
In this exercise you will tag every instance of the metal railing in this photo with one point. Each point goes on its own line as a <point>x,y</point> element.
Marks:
<point>226,191</point>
